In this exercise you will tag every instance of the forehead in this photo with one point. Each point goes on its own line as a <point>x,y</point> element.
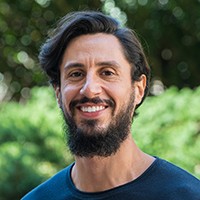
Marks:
<point>95,38</point>
<point>100,45</point>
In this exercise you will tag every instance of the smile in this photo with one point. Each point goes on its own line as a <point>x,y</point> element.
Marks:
<point>91,108</point>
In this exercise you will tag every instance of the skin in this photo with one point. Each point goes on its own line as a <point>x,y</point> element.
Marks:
<point>95,66</point>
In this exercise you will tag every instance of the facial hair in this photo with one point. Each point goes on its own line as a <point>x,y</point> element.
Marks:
<point>89,140</point>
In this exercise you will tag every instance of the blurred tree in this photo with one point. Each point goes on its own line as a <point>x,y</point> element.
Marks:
<point>169,31</point>
<point>23,28</point>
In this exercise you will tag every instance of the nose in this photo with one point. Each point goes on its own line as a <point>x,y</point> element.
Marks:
<point>91,87</point>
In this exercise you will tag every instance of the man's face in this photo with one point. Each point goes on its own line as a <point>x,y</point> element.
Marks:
<point>96,92</point>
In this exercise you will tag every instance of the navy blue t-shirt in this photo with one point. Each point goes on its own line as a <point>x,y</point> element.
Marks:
<point>161,181</point>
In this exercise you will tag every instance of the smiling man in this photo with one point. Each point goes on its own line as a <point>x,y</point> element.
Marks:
<point>101,76</point>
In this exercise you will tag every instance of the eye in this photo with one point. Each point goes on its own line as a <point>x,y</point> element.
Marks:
<point>107,73</point>
<point>76,74</point>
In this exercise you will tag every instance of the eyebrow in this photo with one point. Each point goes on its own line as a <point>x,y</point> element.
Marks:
<point>73,65</point>
<point>109,64</point>
<point>103,63</point>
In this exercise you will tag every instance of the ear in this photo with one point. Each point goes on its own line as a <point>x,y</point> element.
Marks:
<point>58,94</point>
<point>139,87</point>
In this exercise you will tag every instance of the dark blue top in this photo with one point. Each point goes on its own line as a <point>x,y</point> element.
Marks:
<point>161,181</point>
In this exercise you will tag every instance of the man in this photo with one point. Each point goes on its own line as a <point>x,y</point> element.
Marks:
<point>101,76</point>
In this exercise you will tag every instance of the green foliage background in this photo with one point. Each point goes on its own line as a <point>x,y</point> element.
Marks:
<point>32,144</point>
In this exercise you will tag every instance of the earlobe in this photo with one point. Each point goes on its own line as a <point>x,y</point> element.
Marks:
<point>58,95</point>
<point>139,89</point>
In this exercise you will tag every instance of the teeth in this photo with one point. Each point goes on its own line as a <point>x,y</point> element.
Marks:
<point>92,108</point>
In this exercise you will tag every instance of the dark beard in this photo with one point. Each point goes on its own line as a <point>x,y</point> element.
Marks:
<point>98,141</point>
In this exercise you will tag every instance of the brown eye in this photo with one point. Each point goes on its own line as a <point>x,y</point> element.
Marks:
<point>76,74</point>
<point>107,73</point>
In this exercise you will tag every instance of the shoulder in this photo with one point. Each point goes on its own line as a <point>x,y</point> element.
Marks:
<point>176,180</point>
<point>171,170</point>
<point>50,188</point>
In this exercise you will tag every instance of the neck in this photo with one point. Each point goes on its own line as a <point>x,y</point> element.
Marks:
<point>102,173</point>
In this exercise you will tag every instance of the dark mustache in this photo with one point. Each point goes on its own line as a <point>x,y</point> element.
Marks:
<point>95,100</point>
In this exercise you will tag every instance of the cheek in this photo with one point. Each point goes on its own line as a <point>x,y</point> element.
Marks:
<point>121,96</point>
<point>68,94</point>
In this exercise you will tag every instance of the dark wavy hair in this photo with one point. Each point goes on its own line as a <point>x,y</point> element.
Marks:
<point>90,22</point>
